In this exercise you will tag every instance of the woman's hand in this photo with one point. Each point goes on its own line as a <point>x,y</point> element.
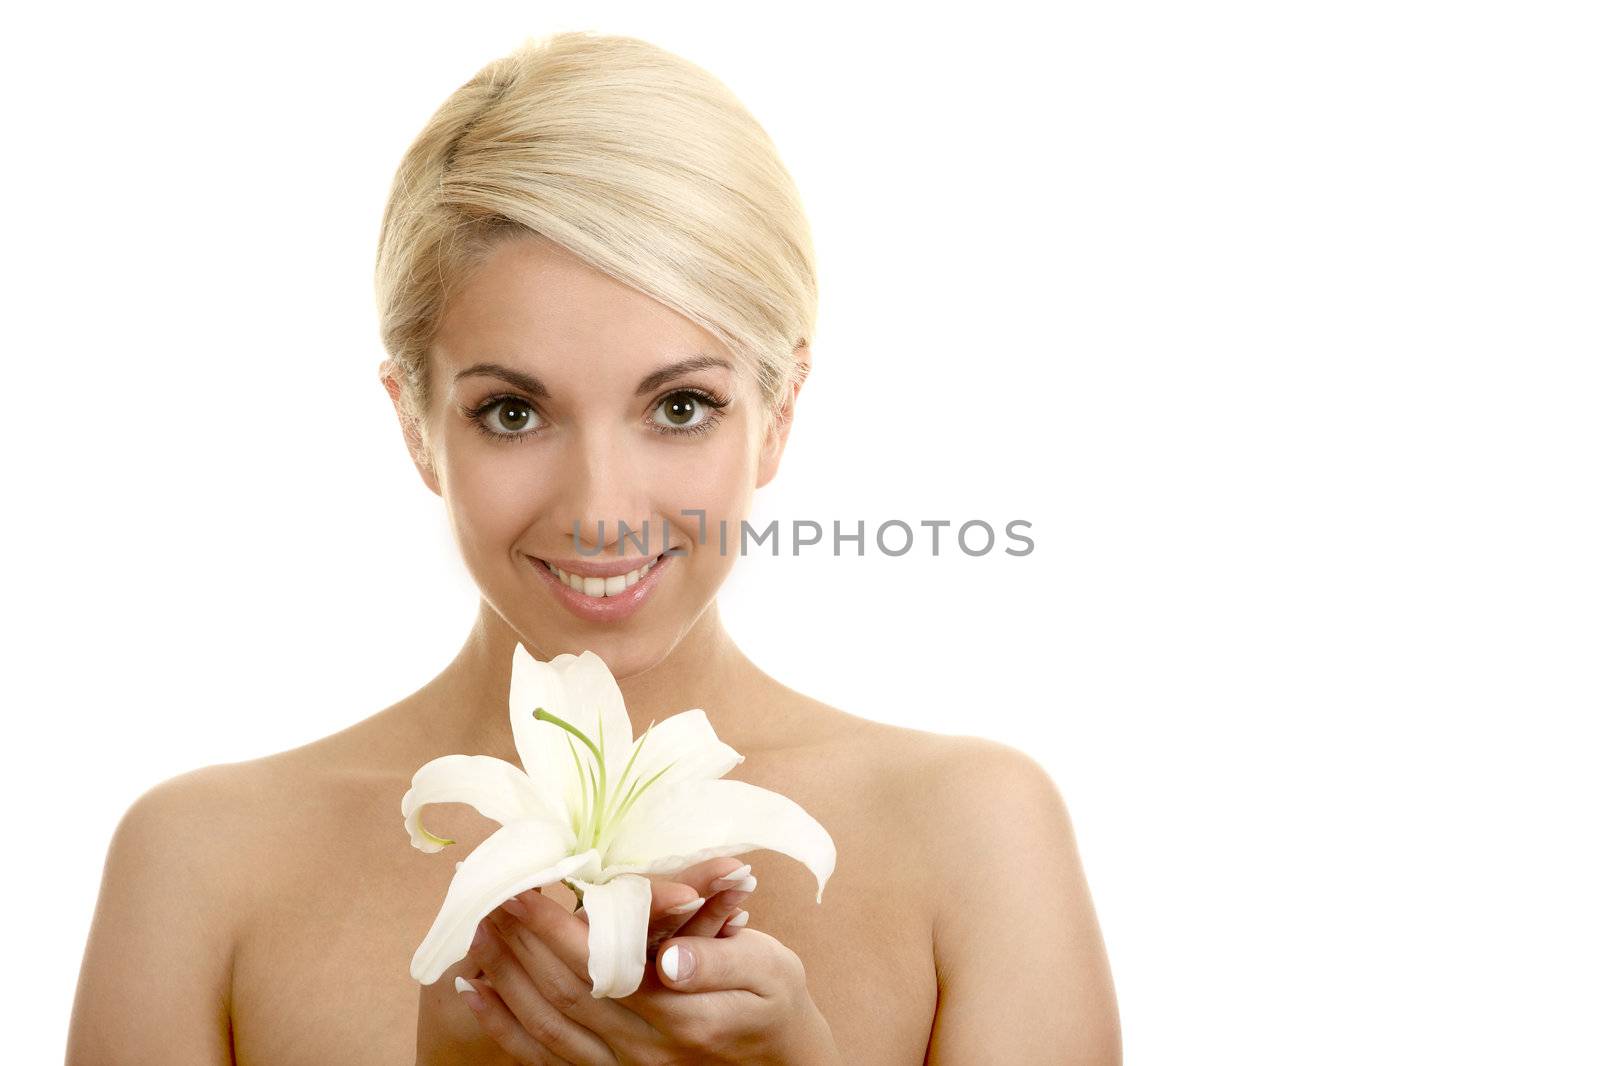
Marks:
<point>447,1032</point>
<point>449,1035</point>
<point>734,999</point>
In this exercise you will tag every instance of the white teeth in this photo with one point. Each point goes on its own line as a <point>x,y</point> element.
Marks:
<point>600,587</point>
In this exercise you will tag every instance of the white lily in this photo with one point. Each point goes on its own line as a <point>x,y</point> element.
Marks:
<point>597,810</point>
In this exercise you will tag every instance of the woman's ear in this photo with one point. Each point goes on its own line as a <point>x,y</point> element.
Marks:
<point>778,432</point>
<point>421,458</point>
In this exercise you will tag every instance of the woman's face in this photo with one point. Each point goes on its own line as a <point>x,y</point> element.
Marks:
<point>558,400</point>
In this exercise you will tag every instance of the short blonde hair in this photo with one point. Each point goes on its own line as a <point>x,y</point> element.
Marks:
<point>637,161</point>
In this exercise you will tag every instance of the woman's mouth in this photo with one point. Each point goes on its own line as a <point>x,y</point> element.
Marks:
<point>602,599</point>
<point>600,586</point>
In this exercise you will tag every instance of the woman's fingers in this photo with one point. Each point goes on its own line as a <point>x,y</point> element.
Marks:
<point>670,904</point>
<point>517,975</point>
<point>712,876</point>
<point>497,1020</point>
<point>740,920</point>
<point>712,918</point>
<point>672,907</point>
<point>676,910</point>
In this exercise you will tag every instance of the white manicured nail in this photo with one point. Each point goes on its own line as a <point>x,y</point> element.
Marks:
<point>731,879</point>
<point>739,920</point>
<point>464,985</point>
<point>684,908</point>
<point>669,962</point>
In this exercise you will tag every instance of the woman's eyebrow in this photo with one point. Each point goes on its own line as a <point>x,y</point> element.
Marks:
<point>526,382</point>
<point>533,386</point>
<point>682,366</point>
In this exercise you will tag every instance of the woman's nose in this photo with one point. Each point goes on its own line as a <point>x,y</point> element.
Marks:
<point>606,497</point>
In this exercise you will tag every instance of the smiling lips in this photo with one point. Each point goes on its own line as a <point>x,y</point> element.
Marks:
<point>601,590</point>
<point>600,586</point>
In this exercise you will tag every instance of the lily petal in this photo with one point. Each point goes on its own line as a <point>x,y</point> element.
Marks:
<point>514,858</point>
<point>495,787</point>
<point>684,747</point>
<point>619,920</point>
<point>691,821</point>
<point>580,690</point>
<point>596,701</point>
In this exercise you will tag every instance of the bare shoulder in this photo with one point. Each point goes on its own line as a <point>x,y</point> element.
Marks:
<point>224,831</point>
<point>983,806</point>
<point>155,982</point>
<point>199,825</point>
<point>216,801</point>
<point>948,803</point>
<point>1011,898</point>
<point>983,835</point>
<point>987,806</point>
<point>209,830</point>
<point>943,779</point>
<point>239,808</point>
<point>973,781</point>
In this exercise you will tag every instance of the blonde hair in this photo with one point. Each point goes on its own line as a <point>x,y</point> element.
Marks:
<point>637,161</point>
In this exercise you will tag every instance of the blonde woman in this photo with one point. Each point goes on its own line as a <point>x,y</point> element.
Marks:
<point>596,289</point>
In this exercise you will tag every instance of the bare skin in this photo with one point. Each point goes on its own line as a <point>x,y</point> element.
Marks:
<point>355,917</point>
<point>266,912</point>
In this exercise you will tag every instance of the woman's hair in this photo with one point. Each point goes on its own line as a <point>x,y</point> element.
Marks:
<point>637,161</point>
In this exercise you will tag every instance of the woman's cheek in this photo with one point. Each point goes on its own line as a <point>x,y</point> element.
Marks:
<point>490,508</point>
<point>718,481</point>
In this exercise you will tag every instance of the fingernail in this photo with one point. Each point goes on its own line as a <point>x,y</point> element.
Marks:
<point>685,908</point>
<point>739,920</point>
<point>468,993</point>
<point>677,963</point>
<point>731,879</point>
<point>747,885</point>
<point>515,907</point>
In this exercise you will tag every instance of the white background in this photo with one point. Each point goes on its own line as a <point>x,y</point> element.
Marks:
<point>1277,321</point>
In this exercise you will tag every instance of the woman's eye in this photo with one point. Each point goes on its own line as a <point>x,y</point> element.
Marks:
<point>509,417</point>
<point>681,410</point>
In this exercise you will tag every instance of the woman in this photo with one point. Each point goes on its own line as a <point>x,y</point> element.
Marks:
<point>596,289</point>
